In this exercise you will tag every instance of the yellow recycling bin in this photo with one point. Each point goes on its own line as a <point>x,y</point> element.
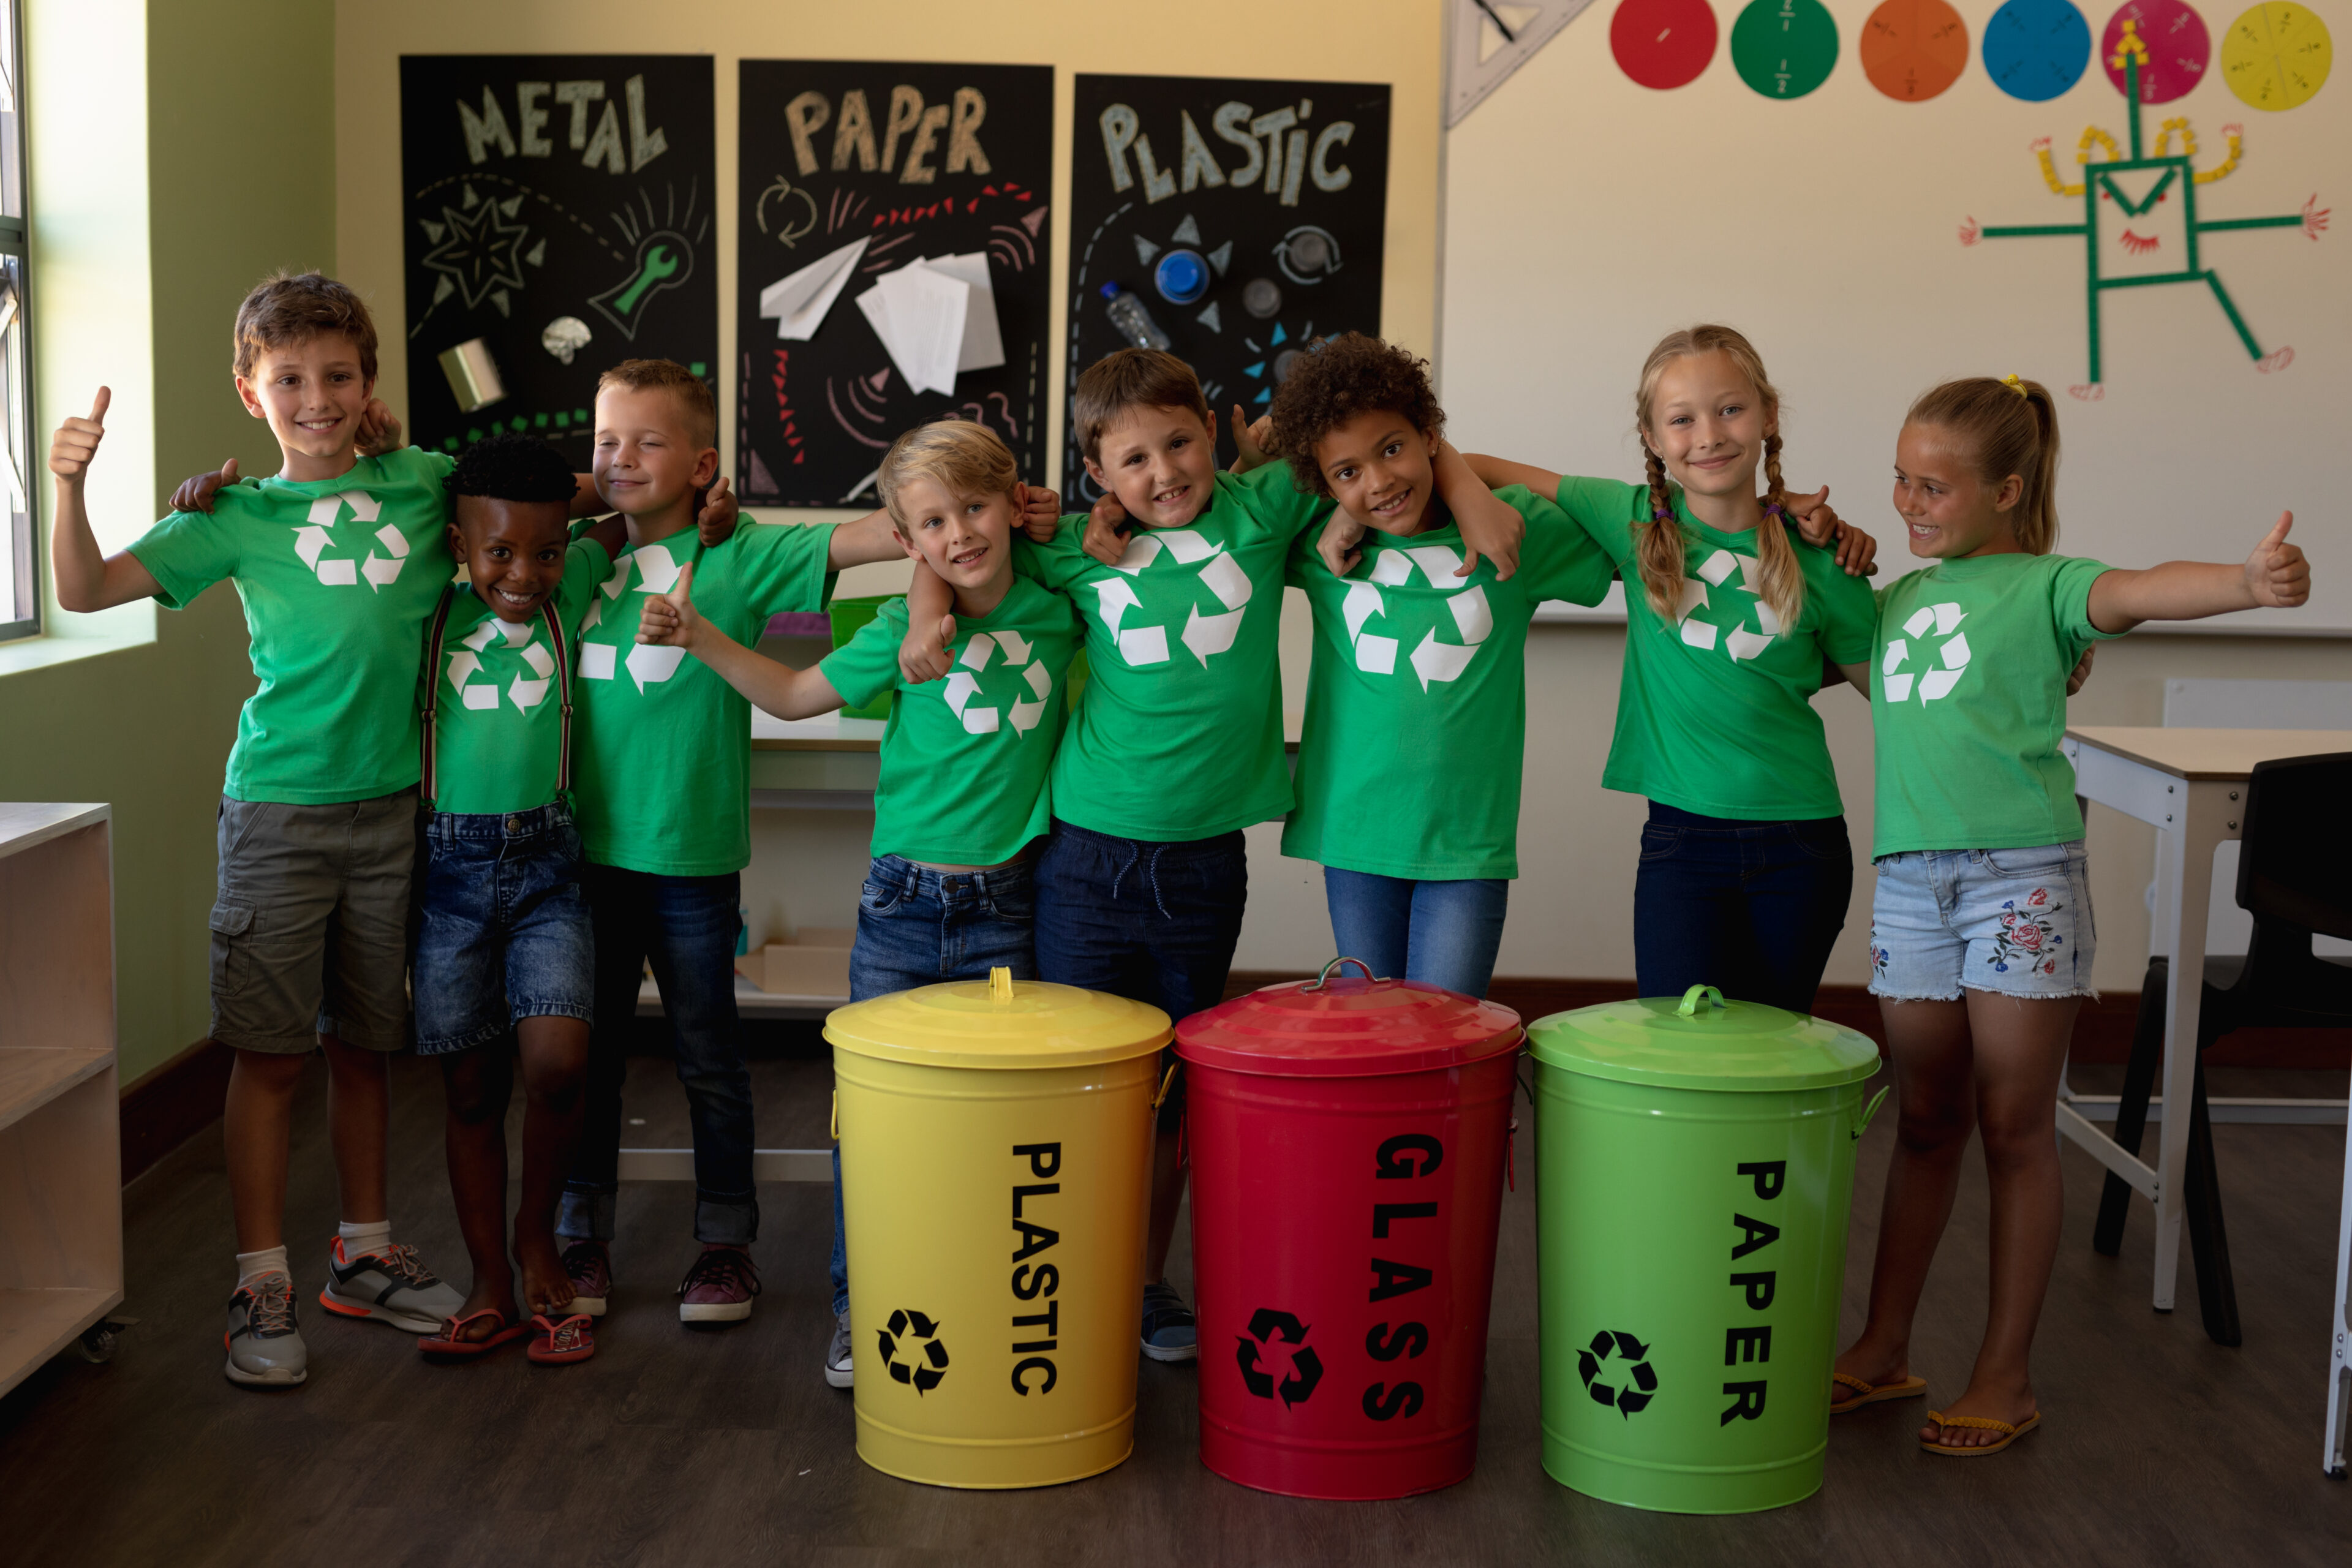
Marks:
<point>995,1166</point>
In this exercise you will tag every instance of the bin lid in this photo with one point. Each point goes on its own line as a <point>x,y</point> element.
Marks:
<point>999,1022</point>
<point>1346,1027</point>
<point>1701,1041</point>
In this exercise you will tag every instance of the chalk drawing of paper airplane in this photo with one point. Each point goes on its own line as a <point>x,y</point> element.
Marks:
<point>800,302</point>
<point>936,317</point>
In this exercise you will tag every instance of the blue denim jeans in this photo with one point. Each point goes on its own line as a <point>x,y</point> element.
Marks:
<point>503,931</point>
<point>918,927</point>
<point>687,926</point>
<point>1444,933</point>
<point>1752,909</point>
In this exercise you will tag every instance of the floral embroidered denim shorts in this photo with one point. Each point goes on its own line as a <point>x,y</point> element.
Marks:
<point>2016,921</point>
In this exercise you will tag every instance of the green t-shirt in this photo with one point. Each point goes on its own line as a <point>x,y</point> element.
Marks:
<point>498,707</point>
<point>338,576</point>
<point>661,747</point>
<point>1417,700</point>
<point>1967,697</point>
<point>1715,713</point>
<point>1178,735</point>
<point>965,758</point>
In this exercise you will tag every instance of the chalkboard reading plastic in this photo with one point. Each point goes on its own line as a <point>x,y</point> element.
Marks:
<point>892,266</point>
<point>1228,221</point>
<point>558,221</point>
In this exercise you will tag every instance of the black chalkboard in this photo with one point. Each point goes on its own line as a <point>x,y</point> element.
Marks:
<point>918,161</point>
<point>559,219</point>
<point>1243,217</point>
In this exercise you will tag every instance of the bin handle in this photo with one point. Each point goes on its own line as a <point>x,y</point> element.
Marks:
<point>1167,1081</point>
<point>999,985</point>
<point>1870,1110</point>
<point>832,1123</point>
<point>1689,1007</point>
<point>1318,983</point>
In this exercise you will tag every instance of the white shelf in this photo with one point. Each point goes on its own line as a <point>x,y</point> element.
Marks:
<point>31,1076</point>
<point>37,1324</point>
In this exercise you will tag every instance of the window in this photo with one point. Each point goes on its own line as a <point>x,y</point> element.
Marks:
<point>19,582</point>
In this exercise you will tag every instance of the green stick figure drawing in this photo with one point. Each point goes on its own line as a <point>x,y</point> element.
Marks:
<point>2130,241</point>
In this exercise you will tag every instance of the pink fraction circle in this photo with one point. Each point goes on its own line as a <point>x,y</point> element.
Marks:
<point>1663,43</point>
<point>2178,48</point>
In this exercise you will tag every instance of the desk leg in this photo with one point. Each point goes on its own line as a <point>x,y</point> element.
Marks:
<point>2339,1329</point>
<point>2188,849</point>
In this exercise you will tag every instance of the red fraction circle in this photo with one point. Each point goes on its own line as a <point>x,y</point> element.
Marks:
<point>1663,43</point>
<point>1914,49</point>
<point>2179,48</point>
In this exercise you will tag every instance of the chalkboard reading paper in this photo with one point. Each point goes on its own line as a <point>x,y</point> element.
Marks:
<point>1229,221</point>
<point>556,221</point>
<point>893,266</point>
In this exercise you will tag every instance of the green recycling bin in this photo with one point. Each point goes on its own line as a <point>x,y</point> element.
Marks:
<point>1694,1169</point>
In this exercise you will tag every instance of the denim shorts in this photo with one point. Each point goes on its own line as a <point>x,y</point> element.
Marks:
<point>2014,922</point>
<point>504,933</point>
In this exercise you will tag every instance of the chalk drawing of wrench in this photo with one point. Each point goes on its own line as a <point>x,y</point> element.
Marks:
<point>664,261</point>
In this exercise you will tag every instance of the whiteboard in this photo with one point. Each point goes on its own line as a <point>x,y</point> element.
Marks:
<point>1586,216</point>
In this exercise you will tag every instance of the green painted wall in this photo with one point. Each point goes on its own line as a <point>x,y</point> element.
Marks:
<point>240,155</point>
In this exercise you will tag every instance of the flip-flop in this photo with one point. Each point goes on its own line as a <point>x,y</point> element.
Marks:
<point>2008,1433</point>
<point>1873,1393</point>
<point>448,1342</point>
<point>562,1344</point>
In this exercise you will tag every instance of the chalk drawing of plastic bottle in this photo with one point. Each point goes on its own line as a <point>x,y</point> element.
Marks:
<point>1133,321</point>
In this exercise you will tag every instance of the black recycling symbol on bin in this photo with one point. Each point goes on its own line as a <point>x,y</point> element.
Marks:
<point>1267,1328</point>
<point>1624,1347</point>
<point>918,1336</point>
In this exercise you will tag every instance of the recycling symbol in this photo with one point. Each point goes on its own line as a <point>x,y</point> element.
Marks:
<point>1719,571</point>
<point>317,536</point>
<point>525,692</point>
<point>927,1358</point>
<point>963,683</point>
<point>1618,1344</point>
<point>1431,659</point>
<point>647,663</point>
<point>1205,636</point>
<point>1949,662</point>
<point>1269,1326</point>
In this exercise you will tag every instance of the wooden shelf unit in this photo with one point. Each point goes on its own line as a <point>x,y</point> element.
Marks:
<point>60,1159</point>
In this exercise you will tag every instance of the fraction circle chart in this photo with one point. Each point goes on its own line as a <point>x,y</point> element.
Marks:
<point>2276,56</point>
<point>1663,43</point>
<point>1914,49</point>
<point>1784,48</point>
<point>2036,50</point>
<point>2179,49</point>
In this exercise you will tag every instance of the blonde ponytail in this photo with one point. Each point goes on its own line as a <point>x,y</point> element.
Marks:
<point>2009,427</point>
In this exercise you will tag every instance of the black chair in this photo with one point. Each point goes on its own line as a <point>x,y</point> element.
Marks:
<point>2294,877</point>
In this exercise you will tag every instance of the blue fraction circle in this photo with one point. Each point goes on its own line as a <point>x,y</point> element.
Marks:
<point>2036,50</point>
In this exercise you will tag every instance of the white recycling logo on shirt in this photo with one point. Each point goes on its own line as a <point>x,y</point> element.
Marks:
<point>647,663</point>
<point>1431,659</point>
<point>1719,571</point>
<point>1948,662</point>
<point>963,689</point>
<point>316,537</point>
<point>525,692</point>
<point>1205,636</point>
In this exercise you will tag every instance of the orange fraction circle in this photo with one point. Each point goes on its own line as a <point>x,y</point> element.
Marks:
<point>1914,49</point>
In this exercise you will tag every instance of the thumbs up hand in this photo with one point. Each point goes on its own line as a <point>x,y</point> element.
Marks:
<point>2276,573</point>
<point>76,442</point>
<point>670,619</point>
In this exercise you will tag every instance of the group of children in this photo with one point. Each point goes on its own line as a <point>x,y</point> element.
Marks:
<point>1099,843</point>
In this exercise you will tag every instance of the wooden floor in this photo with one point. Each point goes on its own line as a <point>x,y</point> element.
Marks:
<point>705,1448</point>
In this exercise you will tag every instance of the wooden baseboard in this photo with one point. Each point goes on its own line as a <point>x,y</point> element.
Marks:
<point>167,1105</point>
<point>2103,1030</point>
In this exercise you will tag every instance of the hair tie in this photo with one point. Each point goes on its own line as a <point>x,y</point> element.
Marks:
<point>2015,385</point>
<point>1661,514</point>
<point>1773,511</point>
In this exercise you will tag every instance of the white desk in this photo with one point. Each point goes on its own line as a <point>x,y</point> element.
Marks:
<point>2191,785</point>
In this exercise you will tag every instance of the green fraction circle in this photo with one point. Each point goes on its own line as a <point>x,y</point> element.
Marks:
<point>1784,48</point>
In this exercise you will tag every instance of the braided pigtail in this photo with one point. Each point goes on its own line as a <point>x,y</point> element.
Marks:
<point>1658,547</point>
<point>1780,581</point>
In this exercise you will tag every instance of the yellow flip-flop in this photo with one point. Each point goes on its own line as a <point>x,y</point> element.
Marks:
<point>2009,1433</point>
<point>1873,1393</point>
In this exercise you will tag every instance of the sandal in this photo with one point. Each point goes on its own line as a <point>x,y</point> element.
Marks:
<point>562,1344</point>
<point>2008,1433</point>
<point>1872,1392</point>
<point>451,1342</point>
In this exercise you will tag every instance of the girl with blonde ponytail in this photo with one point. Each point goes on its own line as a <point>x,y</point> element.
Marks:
<point>1745,868</point>
<point>1981,939</point>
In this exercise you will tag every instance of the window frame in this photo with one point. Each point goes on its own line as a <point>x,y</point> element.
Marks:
<point>23,538</point>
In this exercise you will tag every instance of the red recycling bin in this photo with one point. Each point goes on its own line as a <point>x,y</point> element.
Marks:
<point>1348,1140</point>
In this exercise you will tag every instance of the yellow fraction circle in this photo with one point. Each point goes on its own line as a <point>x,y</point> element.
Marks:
<point>2276,56</point>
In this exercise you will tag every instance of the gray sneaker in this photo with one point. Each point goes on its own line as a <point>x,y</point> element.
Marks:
<point>391,1287</point>
<point>838,1373</point>
<point>265,1347</point>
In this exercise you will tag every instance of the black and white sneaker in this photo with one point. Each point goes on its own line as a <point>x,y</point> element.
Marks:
<point>265,1346</point>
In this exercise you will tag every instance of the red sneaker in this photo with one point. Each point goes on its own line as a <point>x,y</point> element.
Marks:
<point>719,1288</point>
<point>590,1265</point>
